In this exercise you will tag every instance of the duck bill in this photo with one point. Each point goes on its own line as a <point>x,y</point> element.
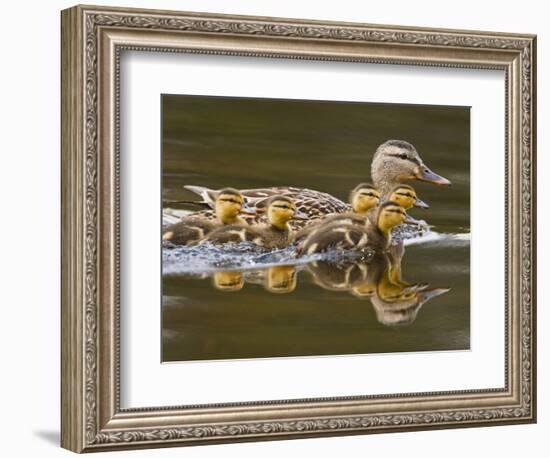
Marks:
<point>409,220</point>
<point>300,215</point>
<point>421,204</point>
<point>423,173</point>
<point>426,295</point>
<point>245,209</point>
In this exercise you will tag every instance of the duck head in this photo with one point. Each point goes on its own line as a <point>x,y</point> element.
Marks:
<point>229,203</point>
<point>364,197</point>
<point>280,210</point>
<point>397,161</point>
<point>405,196</point>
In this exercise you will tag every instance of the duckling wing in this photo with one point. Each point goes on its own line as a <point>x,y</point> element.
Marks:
<point>340,218</point>
<point>234,233</point>
<point>335,237</point>
<point>187,231</point>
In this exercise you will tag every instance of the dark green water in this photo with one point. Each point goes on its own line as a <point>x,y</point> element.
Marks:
<point>246,143</point>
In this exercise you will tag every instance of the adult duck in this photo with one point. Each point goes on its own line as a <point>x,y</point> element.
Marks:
<point>395,162</point>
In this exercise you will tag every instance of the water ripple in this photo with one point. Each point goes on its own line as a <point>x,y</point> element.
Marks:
<point>206,258</point>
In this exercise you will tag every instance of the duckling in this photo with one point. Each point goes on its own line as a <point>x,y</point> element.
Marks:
<point>363,198</point>
<point>277,234</point>
<point>405,196</point>
<point>395,162</point>
<point>189,230</point>
<point>370,238</point>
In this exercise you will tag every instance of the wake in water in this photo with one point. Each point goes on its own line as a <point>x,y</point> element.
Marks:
<point>206,258</point>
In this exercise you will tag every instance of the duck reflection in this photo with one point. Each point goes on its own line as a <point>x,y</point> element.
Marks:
<point>281,279</point>
<point>395,301</point>
<point>228,280</point>
<point>379,279</point>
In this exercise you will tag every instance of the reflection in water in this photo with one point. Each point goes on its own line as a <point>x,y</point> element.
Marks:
<point>379,279</point>
<point>395,301</point>
<point>228,281</point>
<point>281,279</point>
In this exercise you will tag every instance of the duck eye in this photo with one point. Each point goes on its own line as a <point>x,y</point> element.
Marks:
<point>403,156</point>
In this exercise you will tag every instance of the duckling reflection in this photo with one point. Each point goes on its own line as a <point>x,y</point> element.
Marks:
<point>228,280</point>
<point>337,276</point>
<point>403,309</point>
<point>394,302</point>
<point>280,279</point>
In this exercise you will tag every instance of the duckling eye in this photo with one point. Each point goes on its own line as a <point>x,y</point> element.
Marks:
<point>406,194</point>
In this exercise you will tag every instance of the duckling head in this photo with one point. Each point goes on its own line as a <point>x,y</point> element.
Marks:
<point>364,197</point>
<point>390,214</point>
<point>280,210</point>
<point>405,196</point>
<point>397,161</point>
<point>229,203</point>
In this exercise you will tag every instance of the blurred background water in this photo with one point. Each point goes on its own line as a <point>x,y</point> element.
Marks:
<point>328,146</point>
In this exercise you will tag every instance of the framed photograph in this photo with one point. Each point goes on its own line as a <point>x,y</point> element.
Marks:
<point>278,228</point>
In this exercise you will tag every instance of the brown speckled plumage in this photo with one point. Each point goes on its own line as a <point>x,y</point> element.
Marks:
<point>314,204</point>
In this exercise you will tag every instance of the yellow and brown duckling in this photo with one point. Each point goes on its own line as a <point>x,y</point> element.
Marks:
<point>229,204</point>
<point>276,234</point>
<point>363,199</point>
<point>370,237</point>
<point>405,196</point>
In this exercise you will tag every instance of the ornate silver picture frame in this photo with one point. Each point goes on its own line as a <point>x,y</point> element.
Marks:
<point>93,39</point>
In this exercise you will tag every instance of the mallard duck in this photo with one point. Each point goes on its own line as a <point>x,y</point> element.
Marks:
<point>229,203</point>
<point>395,162</point>
<point>369,238</point>
<point>276,234</point>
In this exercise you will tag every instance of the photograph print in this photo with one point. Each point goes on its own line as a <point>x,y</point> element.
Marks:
<point>300,228</point>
